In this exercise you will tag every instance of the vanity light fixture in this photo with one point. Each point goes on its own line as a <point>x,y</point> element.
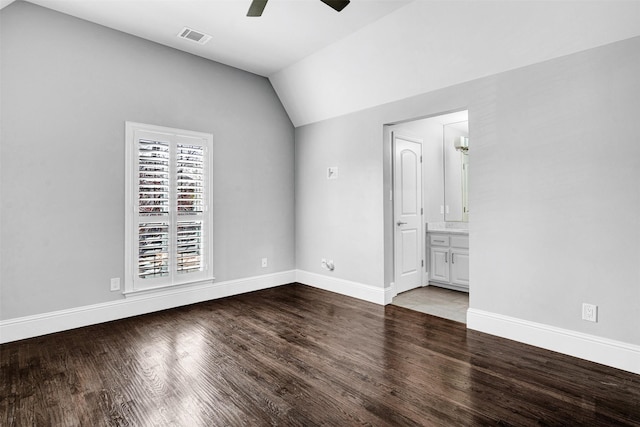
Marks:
<point>461,143</point>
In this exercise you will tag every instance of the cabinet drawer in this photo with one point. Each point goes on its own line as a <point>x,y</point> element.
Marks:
<point>439,239</point>
<point>460,242</point>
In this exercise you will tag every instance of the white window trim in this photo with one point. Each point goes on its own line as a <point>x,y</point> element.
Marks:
<point>131,214</point>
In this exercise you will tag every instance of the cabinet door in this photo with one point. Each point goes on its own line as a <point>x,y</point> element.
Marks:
<point>439,264</point>
<point>460,267</point>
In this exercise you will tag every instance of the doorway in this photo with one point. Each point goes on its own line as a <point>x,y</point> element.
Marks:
<point>441,196</point>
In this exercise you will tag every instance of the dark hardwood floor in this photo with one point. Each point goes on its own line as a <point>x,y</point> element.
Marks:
<point>295,355</point>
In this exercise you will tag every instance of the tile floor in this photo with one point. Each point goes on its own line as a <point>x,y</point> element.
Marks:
<point>437,301</point>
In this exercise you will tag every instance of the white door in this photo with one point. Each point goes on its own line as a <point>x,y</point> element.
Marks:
<point>407,205</point>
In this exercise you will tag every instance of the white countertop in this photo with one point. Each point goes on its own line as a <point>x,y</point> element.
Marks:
<point>448,230</point>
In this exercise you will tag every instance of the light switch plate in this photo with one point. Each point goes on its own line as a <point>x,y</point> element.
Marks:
<point>332,172</point>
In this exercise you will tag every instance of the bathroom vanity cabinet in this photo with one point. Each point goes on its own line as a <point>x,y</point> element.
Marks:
<point>449,260</point>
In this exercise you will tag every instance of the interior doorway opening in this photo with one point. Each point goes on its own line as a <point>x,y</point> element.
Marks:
<point>438,190</point>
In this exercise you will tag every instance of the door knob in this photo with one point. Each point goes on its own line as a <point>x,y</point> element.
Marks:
<point>401,223</point>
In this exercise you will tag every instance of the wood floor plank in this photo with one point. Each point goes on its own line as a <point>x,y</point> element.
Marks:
<point>299,356</point>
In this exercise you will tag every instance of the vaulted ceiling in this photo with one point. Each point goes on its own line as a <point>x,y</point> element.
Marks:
<point>325,64</point>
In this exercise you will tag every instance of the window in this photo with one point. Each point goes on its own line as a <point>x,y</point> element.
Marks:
<point>168,223</point>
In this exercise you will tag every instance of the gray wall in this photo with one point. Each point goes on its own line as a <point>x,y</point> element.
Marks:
<point>67,88</point>
<point>340,219</point>
<point>555,190</point>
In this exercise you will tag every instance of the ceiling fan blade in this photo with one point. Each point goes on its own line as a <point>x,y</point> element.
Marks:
<point>336,4</point>
<point>256,8</point>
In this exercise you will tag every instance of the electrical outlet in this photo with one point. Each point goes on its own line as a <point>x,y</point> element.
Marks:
<point>323,263</point>
<point>115,284</point>
<point>265,263</point>
<point>589,312</point>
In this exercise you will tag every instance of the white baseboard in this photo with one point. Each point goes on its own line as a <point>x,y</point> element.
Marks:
<point>344,287</point>
<point>608,352</point>
<point>133,305</point>
<point>390,293</point>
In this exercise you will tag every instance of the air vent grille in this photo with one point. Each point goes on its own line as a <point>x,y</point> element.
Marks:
<point>194,36</point>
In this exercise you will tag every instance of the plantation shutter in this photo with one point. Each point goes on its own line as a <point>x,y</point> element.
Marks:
<point>153,208</point>
<point>190,185</point>
<point>168,187</point>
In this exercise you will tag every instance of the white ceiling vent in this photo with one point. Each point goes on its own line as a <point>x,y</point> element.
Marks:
<point>194,36</point>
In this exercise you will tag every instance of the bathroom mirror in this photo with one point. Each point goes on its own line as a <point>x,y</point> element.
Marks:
<point>456,169</point>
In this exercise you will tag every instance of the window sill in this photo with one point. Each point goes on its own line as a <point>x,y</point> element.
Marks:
<point>169,289</point>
